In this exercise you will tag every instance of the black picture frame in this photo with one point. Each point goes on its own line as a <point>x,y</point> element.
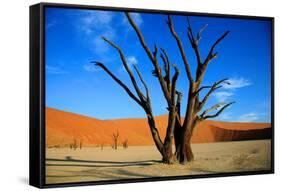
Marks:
<point>37,95</point>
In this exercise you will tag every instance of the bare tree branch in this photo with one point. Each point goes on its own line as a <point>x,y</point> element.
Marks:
<point>211,53</point>
<point>141,38</point>
<point>194,42</point>
<point>166,62</point>
<point>214,107</point>
<point>200,31</point>
<point>179,43</point>
<point>214,87</point>
<point>178,106</point>
<point>218,113</point>
<point>144,84</point>
<point>123,59</point>
<point>201,88</point>
<point>119,82</point>
<point>174,81</point>
<point>153,58</point>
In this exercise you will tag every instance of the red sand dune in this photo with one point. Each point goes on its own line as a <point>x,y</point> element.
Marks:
<point>62,128</point>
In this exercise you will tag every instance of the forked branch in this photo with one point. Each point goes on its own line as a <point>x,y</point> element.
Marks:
<point>144,84</point>
<point>195,41</point>
<point>166,62</point>
<point>174,81</point>
<point>214,87</point>
<point>153,58</point>
<point>141,38</point>
<point>211,54</point>
<point>124,62</point>
<point>180,46</point>
<point>203,116</point>
<point>128,91</point>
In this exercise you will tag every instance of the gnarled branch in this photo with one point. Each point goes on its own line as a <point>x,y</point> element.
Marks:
<point>204,117</point>
<point>215,107</point>
<point>211,54</point>
<point>174,81</point>
<point>124,62</point>
<point>194,42</point>
<point>200,31</point>
<point>141,38</point>
<point>144,84</point>
<point>152,57</point>
<point>166,62</point>
<point>179,43</point>
<point>128,91</point>
<point>214,87</point>
<point>178,106</point>
<point>201,88</point>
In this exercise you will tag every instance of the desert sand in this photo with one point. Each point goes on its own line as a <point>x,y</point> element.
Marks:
<point>93,164</point>
<point>62,128</point>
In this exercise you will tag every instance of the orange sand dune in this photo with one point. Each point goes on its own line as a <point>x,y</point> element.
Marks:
<point>62,128</point>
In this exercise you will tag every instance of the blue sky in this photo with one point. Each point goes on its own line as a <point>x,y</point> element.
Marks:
<point>74,84</point>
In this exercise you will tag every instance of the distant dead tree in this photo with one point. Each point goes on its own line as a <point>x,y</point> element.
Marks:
<point>81,144</point>
<point>115,137</point>
<point>125,144</point>
<point>73,145</point>
<point>180,131</point>
<point>101,146</point>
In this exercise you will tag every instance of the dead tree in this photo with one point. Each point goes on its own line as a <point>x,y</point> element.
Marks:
<point>115,137</point>
<point>81,144</point>
<point>180,131</point>
<point>194,113</point>
<point>75,144</point>
<point>125,144</point>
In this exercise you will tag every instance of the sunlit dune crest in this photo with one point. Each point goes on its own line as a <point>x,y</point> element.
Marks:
<point>62,128</point>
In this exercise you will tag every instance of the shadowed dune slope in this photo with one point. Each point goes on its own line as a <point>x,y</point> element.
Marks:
<point>62,128</point>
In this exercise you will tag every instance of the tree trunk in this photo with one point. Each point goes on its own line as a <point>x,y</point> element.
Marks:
<point>165,149</point>
<point>168,155</point>
<point>184,152</point>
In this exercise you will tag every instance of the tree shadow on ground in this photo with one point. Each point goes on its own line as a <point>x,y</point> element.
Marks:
<point>97,164</point>
<point>96,170</point>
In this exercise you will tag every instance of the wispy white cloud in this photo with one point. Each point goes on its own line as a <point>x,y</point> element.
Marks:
<point>249,117</point>
<point>131,60</point>
<point>55,70</point>
<point>226,116</point>
<point>254,117</point>
<point>237,83</point>
<point>223,96</point>
<point>229,89</point>
<point>93,25</point>
<point>95,20</point>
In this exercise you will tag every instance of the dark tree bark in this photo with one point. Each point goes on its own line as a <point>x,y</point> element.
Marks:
<point>194,106</point>
<point>177,130</point>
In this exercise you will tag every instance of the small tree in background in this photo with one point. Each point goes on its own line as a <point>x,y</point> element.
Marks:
<point>74,144</point>
<point>115,137</point>
<point>81,144</point>
<point>125,144</point>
